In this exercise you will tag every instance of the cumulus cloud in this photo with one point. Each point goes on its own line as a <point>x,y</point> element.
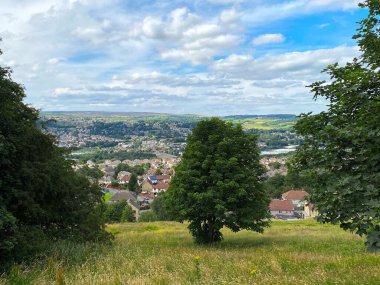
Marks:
<point>305,66</point>
<point>169,56</point>
<point>190,37</point>
<point>237,83</point>
<point>268,39</point>
<point>271,11</point>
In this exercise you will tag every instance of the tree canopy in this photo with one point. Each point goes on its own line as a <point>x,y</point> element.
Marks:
<point>40,194</point>
<point>342,145</point>
<point>219,182</point>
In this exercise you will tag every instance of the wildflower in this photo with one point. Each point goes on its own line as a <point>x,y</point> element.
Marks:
<point>197,267</point>
<point>253,272</point>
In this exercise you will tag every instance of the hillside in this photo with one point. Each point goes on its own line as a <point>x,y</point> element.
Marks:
<point>96,135</point>
<point>260,122</point>
<point>291,252</point>
<point>264,122</point>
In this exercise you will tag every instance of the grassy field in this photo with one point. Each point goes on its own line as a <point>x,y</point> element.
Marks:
<point>265,123</point>
<point>107,196</point>
<point>290,252</point>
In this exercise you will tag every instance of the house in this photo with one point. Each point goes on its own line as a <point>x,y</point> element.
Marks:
<point>281,207</point>
<point>163,178</point>
<point>297,197</point>
<point>124,180</point>
<point>105,180</point>
<point>122,195</point>
<point>310,210</point>
<point>146,186</point>
<point>136,208</point>
<point>123,173</point>
<point>90,164</point>
<point>160,187</point>
<point>145,197</point>
<point>115,163</point>
<point>108,170</point>
<point>152,179</point>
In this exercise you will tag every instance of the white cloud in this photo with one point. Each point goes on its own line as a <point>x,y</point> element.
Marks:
<point>305,66</point>
<point>184,36</point>
<point>331,4</point>
<point>229,16</point>
<point>114,55</point>
<point>202,30</point>
<point>237,84</point>
<point>324,25</point>
<point>268,39</point>
<point>232,61</point>
<point>220,41</point>
<point>269,12</point>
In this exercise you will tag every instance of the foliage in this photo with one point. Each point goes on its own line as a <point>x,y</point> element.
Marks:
<point>132,184</point>
<point>272,139</point>
<point>114,183</point>
<point>128,214</point>
<point>39,190</point>
<point>275,185</point>
<point>218,182</point>
<point>117,212</point>
<point>159,209</point>
<point>8,230</point>
<point>114,211</point>
<point>94,173</point>
<point>148,216</point>
<point>278,183</point>
<point>342,145</point>
<point>275,165</point>
<point>137,169</point>
<point>145,127</point>
<point>98,156</point>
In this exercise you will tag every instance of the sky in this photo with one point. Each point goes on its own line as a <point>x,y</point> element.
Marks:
<point>209,57</point>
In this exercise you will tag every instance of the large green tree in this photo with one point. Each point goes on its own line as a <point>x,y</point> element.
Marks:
<point>40,194</point>
<point>342,145</point>
<point>133,185</point>
<point>219,182</point>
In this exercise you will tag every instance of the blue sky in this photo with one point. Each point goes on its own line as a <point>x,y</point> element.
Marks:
<point>211,57</point>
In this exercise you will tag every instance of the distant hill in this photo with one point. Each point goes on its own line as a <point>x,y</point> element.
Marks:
<point>269,116</point>
<point>264,122</point>
<point>260,122</point>
<point>106,113</point>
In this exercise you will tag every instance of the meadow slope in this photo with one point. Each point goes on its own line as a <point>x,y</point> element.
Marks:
<point>290,252</point>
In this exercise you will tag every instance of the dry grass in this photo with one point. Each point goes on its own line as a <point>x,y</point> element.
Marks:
<point>290,252</point>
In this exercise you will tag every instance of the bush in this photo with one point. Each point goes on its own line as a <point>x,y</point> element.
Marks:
<point>117,212</point>
<point>128,215</point>
<point>148,216</point>
<point>8,231</point>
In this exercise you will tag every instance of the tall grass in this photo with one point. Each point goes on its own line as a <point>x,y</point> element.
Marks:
<point>290,252</point>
